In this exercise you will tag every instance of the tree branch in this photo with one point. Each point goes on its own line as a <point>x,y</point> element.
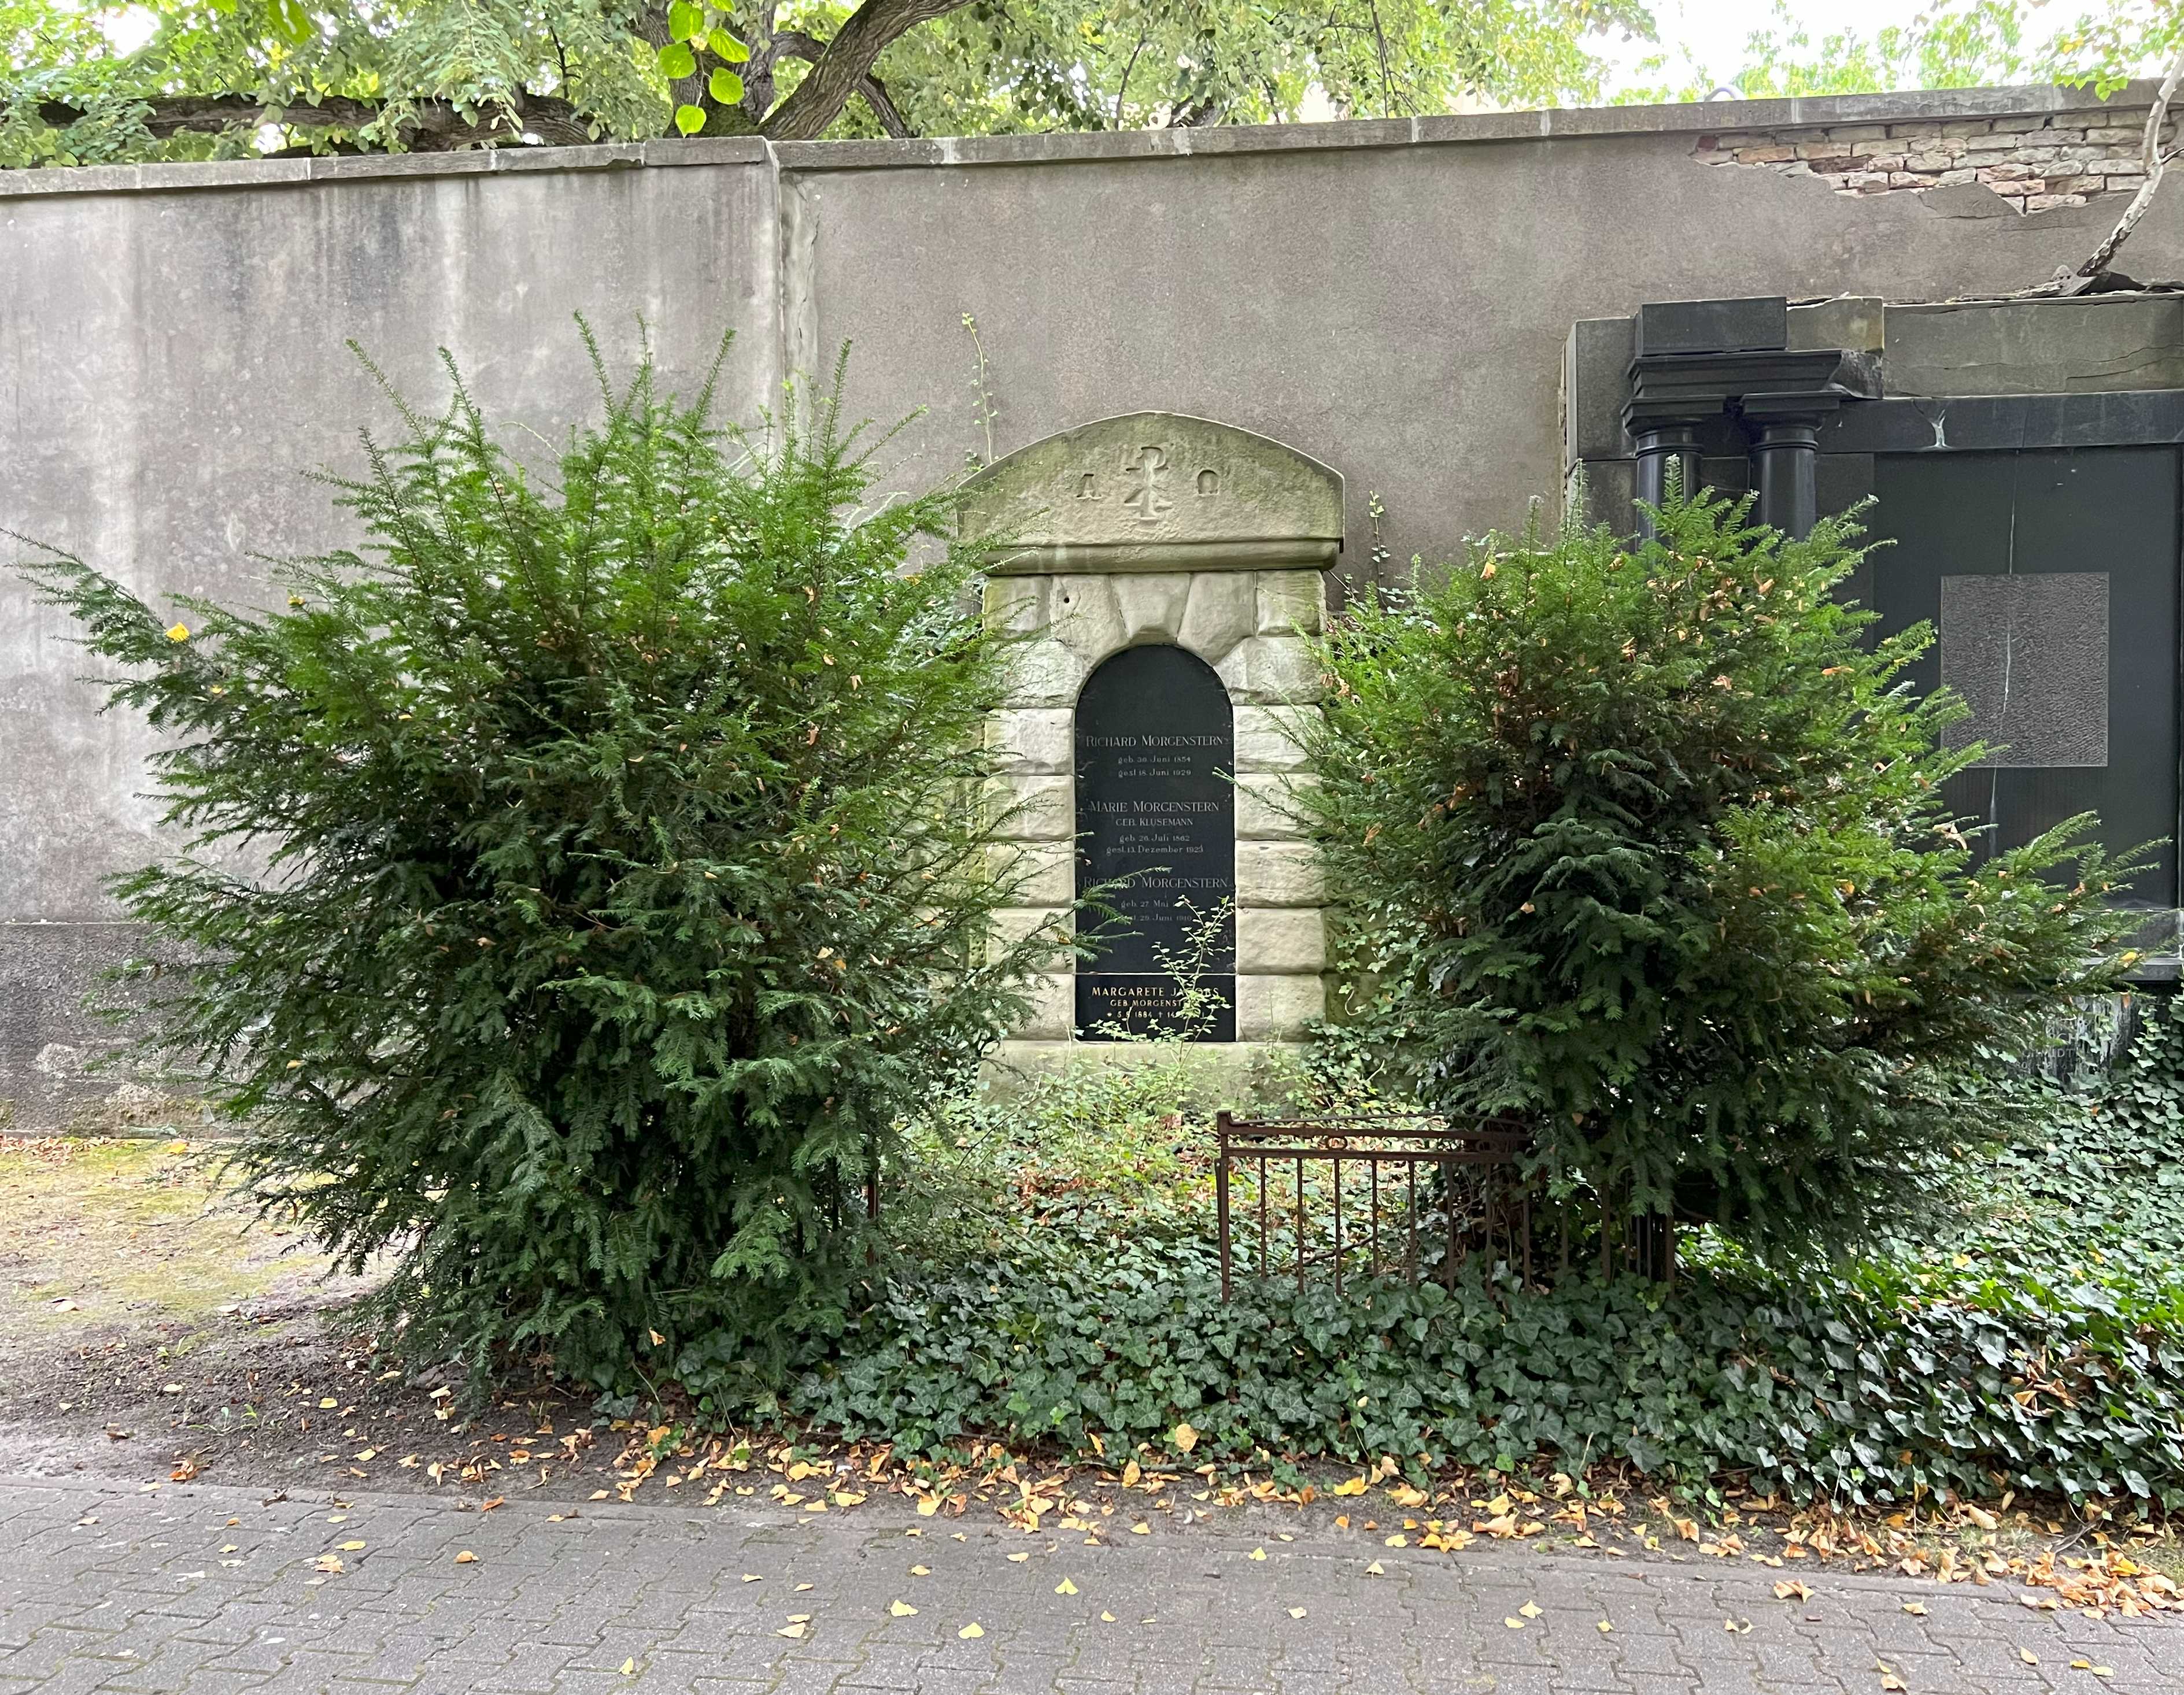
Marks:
<point>2156,163</point>
<point>843,67</point>
<point>795,44</point>
<point>433,126</point>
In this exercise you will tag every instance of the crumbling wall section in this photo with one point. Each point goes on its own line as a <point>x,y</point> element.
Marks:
<point>2034,162</point>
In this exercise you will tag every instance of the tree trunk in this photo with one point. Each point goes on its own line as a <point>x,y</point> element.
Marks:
<point>846,64</point>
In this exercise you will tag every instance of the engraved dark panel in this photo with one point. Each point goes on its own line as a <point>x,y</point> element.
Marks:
<point>2030,655</point>
<point>2060,515</point>
<point>1155,740</point>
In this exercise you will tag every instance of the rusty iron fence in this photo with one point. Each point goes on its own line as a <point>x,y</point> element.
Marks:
<point>1380,1196</point>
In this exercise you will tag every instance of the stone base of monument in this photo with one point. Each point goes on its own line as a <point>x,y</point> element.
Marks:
<point>1242,1075</point>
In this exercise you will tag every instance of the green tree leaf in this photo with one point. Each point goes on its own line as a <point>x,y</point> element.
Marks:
<point>677,61</point>
<point>725,45</point>
<point>686,22</point>
<point>725,86</point>
<point>689,120</point>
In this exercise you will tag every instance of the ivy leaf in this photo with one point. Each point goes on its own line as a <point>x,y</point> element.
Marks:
<point>725,86</point>
<point>677,61</point>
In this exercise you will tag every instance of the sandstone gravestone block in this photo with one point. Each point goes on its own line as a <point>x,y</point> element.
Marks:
<point>1164,569</point>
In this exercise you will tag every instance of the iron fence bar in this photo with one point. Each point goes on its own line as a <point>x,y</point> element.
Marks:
<point>1374,1268</point>
<point>1300,1223</point>
<point>1410,1252</point>
<point>1265,1257</point>
<point>1448,1206</point>
<point>1337,1226</point>
<point>1220,1196</point>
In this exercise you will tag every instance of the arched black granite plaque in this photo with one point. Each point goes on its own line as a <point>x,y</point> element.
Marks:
<point>1155,740</point>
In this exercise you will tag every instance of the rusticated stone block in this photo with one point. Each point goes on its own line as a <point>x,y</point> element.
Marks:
<point>1279,873</point>
<point>1277,1009</point>
<point>1280,941</point>
<point>1265,808</point>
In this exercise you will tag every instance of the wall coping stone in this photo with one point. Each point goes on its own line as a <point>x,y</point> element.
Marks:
<point>1715,117</point>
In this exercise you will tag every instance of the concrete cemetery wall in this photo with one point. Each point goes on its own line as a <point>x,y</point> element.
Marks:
<point>1391,298</point>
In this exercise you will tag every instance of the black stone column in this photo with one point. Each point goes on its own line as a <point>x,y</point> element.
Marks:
<point>1694,360</point>
<point>1662,447</point>
<point>1786,453</point>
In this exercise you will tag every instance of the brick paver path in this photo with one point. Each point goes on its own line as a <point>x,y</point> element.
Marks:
<point>104,1588</point>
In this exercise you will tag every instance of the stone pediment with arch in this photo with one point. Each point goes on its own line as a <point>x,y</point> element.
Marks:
<point>1156,490</point>
<point>1155,529</point>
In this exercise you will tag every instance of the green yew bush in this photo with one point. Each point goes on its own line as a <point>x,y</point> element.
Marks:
<point>1643,845</point>
<point>625,875</point>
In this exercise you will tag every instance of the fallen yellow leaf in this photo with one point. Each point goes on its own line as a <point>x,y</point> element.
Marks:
<point>629,1667</point>
<point>794,1632</point>
<point>1530,1609</point>
<point>752,1577</point>
<point>970,1632</point>
<point>1065,1587</point>
<point>1355,1485</point>
<point>352,1547</point>
<point>1603,1628</point>
<point>1130,1475</point>
<point>466,1558</point>
<point>920,1572</point>
<point>2027,1655</point>
<point>1398,1540</point>
<point>1514,1624</point>
<point>1184,1438</point>
<point>1256,1554</point>
<point>1296,1612</point>
<point>1018,1559</point>
<point>1376,1569</point>
<point>1916,1609</point>
<point>902,1610</point>
<point>1107,1618</point>
<point>1141,1528</point>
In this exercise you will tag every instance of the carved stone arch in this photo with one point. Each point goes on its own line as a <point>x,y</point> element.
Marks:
<point>1155,528</point>
<point>1156,491</point>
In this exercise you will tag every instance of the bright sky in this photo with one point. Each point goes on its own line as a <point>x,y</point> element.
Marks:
<point>1709,33</point>
<point>1712,32</point>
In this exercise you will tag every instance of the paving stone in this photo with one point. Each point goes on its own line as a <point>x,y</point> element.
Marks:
<point>559,1608</point>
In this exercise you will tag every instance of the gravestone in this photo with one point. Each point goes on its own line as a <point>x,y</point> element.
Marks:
<point>1161,574</point>
<point>1157,811</point>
